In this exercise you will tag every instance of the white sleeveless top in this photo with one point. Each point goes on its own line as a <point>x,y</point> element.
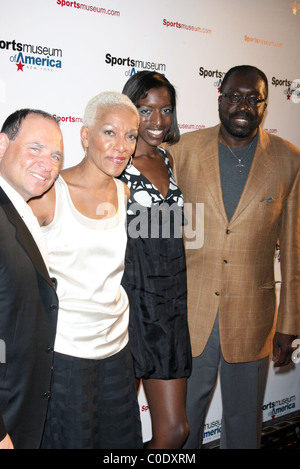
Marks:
<point>86,256</point>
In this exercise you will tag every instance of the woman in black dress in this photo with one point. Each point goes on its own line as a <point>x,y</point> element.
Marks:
<point>155,269</point>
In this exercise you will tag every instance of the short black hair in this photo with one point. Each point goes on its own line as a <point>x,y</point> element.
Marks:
<point>138,86</point>
<point>12,124</point>
<point>244,68</point>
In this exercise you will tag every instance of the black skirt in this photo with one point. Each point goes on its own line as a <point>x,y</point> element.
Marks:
<point>93,404</point>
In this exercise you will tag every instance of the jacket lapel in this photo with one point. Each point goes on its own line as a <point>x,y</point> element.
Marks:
<point>262,165</point>
<point>24,236</point>
<point>211,169</point>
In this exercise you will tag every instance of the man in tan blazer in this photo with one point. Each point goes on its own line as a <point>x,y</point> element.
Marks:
<point>248,184</point>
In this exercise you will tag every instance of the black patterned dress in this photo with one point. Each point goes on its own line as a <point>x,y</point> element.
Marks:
<point>155,278</point>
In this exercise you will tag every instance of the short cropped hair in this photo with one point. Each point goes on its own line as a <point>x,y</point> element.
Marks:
<point>103,101</point>
<point>12,124</point>
<point>244,68</point>
<point>138,86</point>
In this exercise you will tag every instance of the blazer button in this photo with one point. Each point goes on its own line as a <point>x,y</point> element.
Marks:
<point>47,395</point>
<point>49,349</point>
<point>54,283</point>
<point>53,307</point>
<point>225,261</point>
<point>228,231</point>
<point>217,293</point>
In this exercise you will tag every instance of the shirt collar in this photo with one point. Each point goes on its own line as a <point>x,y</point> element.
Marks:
<point>17,200</point>
<point>25,212</point>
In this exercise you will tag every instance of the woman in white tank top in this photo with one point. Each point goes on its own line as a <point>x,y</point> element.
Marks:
<point>93,401</point>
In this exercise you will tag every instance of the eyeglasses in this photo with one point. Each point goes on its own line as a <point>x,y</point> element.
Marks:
<point>233,98</point>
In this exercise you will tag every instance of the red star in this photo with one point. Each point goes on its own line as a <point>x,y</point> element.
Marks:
<point>20,66</point>
<point>288,97</point>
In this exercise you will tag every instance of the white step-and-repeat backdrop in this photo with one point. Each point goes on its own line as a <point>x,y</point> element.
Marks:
<point>56,54</point>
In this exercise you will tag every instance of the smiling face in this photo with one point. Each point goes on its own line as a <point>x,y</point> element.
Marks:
<point>155,116</point>
<point>30,163</point>
<point>111,140</point>
<point>241,121</point>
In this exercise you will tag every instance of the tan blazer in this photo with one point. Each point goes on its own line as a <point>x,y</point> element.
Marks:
<point>234,269</point>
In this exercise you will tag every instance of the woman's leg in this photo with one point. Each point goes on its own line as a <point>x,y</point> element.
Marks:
<point>167,399</point>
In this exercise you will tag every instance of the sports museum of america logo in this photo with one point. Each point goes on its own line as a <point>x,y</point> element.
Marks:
<point>31,56</point>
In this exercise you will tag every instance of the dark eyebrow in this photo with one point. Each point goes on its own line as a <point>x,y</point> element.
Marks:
<point>59,153</point>
<point>40,145</point>
<point>35,143</point>
<point>234,91</point>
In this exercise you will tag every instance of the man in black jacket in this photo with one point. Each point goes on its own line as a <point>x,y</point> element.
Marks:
<point>31,149</point>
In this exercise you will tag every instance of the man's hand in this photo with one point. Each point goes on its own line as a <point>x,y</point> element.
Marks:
<point>282,348</point>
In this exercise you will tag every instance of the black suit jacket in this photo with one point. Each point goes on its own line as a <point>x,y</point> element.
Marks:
<point>28,316</point>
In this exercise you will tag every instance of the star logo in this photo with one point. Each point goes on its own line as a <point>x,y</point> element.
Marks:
<point>295,7</point>
<point>288,96</point>
<point>20,66</point>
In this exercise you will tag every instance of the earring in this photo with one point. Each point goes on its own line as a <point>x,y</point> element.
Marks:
<point>129,162</point>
